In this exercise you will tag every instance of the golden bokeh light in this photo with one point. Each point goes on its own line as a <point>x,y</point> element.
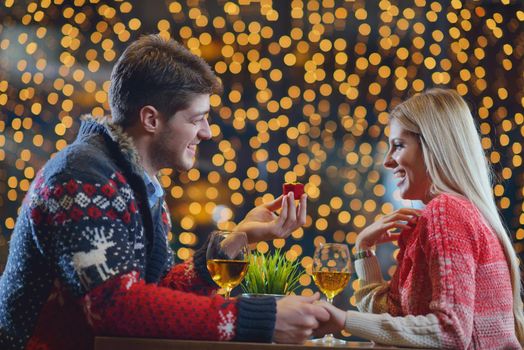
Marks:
<point>306,99</point>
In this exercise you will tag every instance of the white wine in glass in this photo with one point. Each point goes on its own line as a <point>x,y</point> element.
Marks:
<point>331,283</point>
<point>227,259</point>
<point>331,272</point>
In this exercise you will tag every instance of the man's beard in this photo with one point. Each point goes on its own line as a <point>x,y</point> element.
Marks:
<point>160,154</point>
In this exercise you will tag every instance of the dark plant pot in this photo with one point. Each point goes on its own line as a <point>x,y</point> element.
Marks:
<point>262,295</point>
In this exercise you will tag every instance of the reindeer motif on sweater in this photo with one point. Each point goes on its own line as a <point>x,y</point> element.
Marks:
<point>95,257</point>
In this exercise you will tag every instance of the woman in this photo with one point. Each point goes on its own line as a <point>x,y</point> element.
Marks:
<point>457,284</point>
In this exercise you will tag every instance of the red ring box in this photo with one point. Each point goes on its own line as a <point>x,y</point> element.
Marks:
<point>296,187</point>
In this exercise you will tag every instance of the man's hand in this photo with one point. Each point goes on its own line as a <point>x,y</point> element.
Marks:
<point>262,224</point>
<point>336,320</point>
<point>297,318</point>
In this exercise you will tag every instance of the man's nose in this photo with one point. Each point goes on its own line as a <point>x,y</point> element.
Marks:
<point>205,131</point>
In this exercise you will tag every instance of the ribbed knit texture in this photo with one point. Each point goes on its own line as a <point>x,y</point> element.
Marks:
<point>368,268</point>
<point>256,319</point>
<point>200,262</point>
<point>451,288</point>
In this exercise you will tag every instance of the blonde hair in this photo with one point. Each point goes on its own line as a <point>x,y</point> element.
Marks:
<point>447,131</point>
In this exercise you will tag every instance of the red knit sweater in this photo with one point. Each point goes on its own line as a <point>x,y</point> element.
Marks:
<point>452,287</point>
<point>127,306</point>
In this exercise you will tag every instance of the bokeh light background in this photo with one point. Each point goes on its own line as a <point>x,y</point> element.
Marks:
<point>308,86</point>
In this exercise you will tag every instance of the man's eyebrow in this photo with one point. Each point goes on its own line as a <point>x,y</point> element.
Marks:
<point>203,112</point>
<point>199,113</point>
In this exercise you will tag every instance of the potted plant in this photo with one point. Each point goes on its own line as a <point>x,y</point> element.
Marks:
<point>271,274</point>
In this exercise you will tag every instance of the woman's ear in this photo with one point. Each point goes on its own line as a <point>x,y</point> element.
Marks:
<point>150,118</point>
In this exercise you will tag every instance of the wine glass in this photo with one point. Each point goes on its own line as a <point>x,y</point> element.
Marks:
<point>331,272</point>
<point>227,258</point>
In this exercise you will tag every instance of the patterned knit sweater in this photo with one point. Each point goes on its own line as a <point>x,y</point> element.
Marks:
<point>88,256</point>
<point>451,289</point>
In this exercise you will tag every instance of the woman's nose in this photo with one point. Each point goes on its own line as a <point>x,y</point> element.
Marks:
<point>389,162</point>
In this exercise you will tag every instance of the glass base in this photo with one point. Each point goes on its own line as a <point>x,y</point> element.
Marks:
<point>328,339</point>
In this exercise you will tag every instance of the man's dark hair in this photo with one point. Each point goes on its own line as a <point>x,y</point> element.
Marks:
<point>157,72</point>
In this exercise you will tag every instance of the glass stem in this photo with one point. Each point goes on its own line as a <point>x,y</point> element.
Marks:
<point>228,293</point>
<point>328,338</point>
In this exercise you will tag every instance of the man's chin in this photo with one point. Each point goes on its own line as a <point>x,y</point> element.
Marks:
<point>185,167</point>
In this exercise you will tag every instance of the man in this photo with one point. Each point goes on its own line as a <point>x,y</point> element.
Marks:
<point>89,253</point>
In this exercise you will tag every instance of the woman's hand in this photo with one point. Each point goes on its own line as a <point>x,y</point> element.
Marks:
<point>379,231</point>
<point>262,224</point>
<point>337,319</point>
<point>297,318</point>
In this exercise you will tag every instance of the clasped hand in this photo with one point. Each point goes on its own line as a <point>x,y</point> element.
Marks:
<point>298,318</point>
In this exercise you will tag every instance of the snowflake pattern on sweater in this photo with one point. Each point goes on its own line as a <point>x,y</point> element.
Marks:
<point>83,224</point>
<point>226,325</point>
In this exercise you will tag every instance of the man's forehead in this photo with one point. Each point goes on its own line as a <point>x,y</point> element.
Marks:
<point>199,104</point>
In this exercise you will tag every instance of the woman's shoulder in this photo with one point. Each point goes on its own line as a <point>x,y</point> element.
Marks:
<point>448,207</point>
<point>449,204</point>
<point>452,221</point>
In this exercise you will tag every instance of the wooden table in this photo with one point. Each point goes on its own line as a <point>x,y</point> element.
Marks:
<point>112,343</point>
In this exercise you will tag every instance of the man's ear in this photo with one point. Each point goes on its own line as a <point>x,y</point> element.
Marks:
<point>150,118</point>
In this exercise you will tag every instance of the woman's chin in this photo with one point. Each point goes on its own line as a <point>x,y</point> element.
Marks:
<point>409,195</point>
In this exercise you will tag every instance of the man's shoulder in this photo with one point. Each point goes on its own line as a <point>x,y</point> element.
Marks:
<point>91,149</point>
<point>82,160</point>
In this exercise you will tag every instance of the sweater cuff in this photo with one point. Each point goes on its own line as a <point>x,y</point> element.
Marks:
<point>199,261</point>
<point>361,324</point>
<point>256,319</point>
<point>368,270</point>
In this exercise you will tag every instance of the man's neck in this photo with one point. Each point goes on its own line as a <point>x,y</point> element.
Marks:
<point>141,143</point>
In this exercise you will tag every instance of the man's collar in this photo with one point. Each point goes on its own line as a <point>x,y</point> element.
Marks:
<point>97,125</point>
<point>154,189</point>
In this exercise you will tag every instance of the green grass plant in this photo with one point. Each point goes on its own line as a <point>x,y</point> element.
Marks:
<point>271,274</point>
